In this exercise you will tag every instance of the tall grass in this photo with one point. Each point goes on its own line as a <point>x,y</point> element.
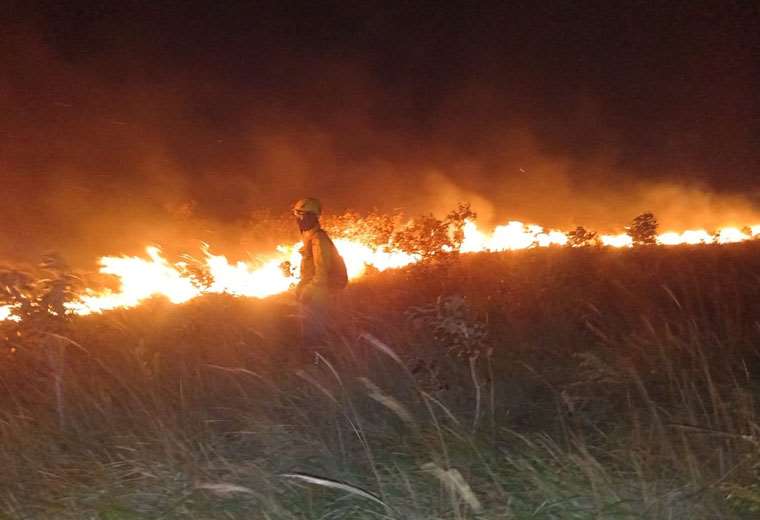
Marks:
<point>615,385</point>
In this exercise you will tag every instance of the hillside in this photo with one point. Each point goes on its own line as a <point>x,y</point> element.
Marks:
<point>555,383</point>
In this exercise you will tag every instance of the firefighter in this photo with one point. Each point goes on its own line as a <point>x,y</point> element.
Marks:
<point>323,274</point>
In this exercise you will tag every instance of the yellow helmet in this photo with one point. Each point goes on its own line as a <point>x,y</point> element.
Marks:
<point>307,205</point>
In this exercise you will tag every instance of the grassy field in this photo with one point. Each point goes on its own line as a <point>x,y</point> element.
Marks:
<point>546,384</point>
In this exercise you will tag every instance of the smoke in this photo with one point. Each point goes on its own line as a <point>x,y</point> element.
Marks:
<point>683,207</point>
<point>109,145</point>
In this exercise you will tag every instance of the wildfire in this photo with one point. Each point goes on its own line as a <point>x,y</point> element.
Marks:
<point>691,236</point>
<point>143,278</point>
<point>621,240</point>
<point>514,235</point>
<point>6,313</point>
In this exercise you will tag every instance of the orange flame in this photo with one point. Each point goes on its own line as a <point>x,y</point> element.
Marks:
<point>6,313</point>
<point>140,279</point>
<point>731,235</point>
<point>512,236</point>
<point>143,278</point>
<point>691,236</point>
<point>621,240</point>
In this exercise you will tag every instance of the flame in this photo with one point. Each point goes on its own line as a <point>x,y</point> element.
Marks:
<point>147,277</point>
<point>690,236</point>
<point>140,279</point>
<point>358,256</point>
<point>6,313</point>
<point>621,240</point>
<point>242,279</point>
<point>731,235</point>
<point>512,236</point>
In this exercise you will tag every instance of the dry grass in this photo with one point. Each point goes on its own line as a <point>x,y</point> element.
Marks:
<point>619,385</point>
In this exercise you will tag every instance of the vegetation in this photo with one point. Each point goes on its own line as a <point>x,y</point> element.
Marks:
<point>579,383</point>
<point>643,229</point>
<point>426,236</point>
<point>581,237</point>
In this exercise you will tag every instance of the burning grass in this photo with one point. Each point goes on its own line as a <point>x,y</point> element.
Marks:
<point>368,243</point>
<point>555,384</point>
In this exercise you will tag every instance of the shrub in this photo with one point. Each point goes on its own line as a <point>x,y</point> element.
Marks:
<point>643,229</point>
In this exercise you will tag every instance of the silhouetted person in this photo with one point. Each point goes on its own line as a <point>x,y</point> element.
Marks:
<point>323,273</point>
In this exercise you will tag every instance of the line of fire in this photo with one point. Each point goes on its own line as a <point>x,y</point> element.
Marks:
<point>142,278</point>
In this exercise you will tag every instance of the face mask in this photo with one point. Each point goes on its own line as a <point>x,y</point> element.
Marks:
<point>307,222</point>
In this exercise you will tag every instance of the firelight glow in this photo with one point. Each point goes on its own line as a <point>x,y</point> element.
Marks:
<point>144,278</point>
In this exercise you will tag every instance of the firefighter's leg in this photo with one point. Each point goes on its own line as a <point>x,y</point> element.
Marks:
<point>314,327</point>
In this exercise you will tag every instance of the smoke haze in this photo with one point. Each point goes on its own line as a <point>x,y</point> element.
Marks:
<point>125,126</point>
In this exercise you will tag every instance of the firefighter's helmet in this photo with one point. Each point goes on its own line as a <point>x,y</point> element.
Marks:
<point>307,205</point>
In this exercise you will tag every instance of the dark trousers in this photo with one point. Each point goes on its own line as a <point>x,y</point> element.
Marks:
<point>314,325</point>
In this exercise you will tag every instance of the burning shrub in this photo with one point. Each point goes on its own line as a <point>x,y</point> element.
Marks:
<point>456,221</point>
<point>581,237</point>
<point>39,304</point>
<point>37,336</point>
<point>197,270</point>
<point>429,237</point>
<point>426,236</point>
<point>643,229</point>
<point>372,229</point>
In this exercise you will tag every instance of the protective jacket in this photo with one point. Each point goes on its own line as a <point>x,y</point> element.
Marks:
<point>322,268</point>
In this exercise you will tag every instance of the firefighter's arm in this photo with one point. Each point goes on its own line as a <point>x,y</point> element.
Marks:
<point>317,287</point>
<point>306,273</point>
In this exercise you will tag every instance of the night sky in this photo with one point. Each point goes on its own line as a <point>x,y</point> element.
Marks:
<point>131,122</point>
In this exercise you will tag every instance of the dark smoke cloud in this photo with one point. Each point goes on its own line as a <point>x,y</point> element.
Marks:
<point>132,124</point>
